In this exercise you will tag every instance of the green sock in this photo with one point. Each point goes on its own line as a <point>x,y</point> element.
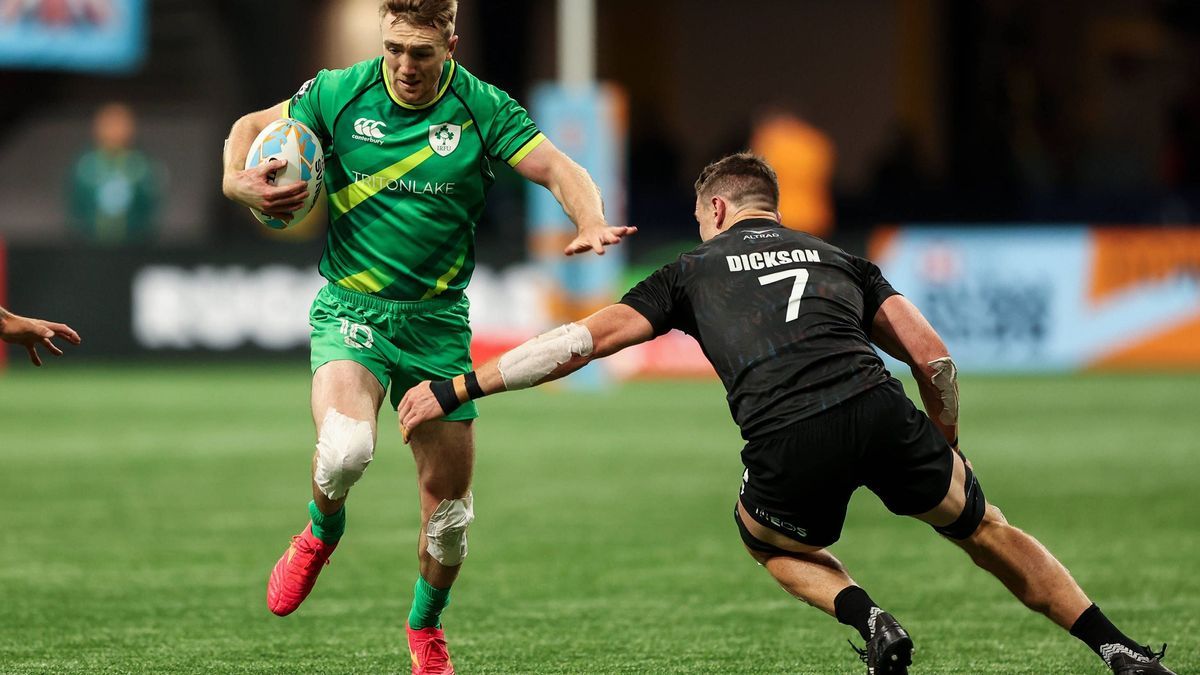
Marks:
<point>327,528</point>
<point>428,603</point>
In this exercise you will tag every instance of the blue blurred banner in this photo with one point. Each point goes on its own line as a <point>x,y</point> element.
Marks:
<point>588,124</point>
<point>1052,298</point>
<point>85,35</point>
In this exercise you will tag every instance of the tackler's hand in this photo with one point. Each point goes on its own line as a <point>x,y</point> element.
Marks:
<point>418,406</point>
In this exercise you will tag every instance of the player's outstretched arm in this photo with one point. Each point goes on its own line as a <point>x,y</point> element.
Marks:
<point>30,333</point>
<point>547,357</point>
<point>252,188</point>
<point>903,332</point>
<point>580,198</point>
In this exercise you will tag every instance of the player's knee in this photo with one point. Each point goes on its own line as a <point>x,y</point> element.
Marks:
<point>345,447</point>
<point>975,508</point>
<point>993,516</point>
<point>446,532</point>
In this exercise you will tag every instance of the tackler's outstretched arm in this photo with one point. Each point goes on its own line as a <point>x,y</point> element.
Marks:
<point>549,356</point>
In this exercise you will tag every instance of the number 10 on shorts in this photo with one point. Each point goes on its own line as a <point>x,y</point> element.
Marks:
<point>801,277</point>
<point>353,331</point>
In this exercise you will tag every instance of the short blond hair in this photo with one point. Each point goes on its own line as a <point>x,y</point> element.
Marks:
<point>437,14</point>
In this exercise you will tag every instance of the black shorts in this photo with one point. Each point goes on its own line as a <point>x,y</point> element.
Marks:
<point>798,480</point>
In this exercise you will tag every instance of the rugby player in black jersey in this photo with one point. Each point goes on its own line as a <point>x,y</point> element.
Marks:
<point>787,321</point>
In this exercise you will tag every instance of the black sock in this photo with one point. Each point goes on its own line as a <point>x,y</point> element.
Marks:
<point>853,607</point>
<point>1101,635</point>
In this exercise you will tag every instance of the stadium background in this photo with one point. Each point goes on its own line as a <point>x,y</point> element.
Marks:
<point>1028,172</point>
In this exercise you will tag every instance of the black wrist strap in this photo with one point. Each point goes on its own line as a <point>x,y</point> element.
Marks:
<point>473,389</point>
<point>443,391</point>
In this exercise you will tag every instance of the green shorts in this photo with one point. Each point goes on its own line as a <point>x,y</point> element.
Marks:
<point>402,343</point>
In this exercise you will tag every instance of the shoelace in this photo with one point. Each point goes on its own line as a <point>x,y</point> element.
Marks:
<point>428,646</point>
<point>302,547</point>
<point>862,653</point>
<point>1157,656</point>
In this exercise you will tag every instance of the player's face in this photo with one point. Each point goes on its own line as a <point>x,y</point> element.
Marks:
<point>414,56</point>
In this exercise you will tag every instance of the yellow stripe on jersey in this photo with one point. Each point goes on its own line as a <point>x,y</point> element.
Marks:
<point>387,82</point>
<point>526,149</point>
<point>342,201</point>
<point>287,108</point>
<point>443,281</point>
<point>366,281</point>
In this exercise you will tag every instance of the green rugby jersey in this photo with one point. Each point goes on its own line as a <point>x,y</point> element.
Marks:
<point>407,183</point>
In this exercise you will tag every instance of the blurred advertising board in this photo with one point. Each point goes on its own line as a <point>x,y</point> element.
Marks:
<point>134,301</point>
<point>84,35</point>
<point>253,301</point>
<point>1024,299</point>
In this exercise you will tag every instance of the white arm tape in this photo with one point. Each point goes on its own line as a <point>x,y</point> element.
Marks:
<point>945,380</point>
<point>526,365</point>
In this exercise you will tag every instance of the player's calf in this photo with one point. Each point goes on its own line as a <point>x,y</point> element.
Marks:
<point>1042,583</point>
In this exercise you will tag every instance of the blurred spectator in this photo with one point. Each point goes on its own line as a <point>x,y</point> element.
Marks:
<point>803,158</point>
<point>114,188</point>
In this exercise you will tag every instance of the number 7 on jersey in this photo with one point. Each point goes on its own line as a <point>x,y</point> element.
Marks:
<point>801,276</point>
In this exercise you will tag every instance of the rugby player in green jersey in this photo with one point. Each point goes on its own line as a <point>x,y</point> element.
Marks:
<point>409,139</point>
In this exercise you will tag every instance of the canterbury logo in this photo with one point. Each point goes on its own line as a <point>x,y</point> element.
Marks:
<point>369,128</point>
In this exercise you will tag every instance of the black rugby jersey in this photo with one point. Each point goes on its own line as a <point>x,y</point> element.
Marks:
<point>783,316</point>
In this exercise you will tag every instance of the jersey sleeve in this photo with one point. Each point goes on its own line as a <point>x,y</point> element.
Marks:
<point>875,289</point>
<point>657,298</point>
<point>508,131</point>
<point>314,104</point>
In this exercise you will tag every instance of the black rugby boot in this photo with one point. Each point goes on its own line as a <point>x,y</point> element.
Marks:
<point>1125,661</point>
<point>889,651</point>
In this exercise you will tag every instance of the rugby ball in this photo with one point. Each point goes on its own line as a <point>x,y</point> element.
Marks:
<point>287,139</point>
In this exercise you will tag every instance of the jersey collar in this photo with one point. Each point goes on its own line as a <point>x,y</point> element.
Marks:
<point>755,222</point>
<point>447,75</point>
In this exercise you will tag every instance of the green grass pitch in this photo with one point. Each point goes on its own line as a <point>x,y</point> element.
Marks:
<point>143,508</point>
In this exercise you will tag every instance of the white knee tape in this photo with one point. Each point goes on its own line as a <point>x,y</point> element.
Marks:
<point>446,533</point>
<point>526,365</point>
<point>344,449</point>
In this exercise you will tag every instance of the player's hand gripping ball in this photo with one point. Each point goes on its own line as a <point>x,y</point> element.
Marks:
<point>287,139</point>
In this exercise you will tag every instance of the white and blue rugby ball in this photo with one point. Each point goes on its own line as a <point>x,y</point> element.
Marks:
<point>287,139</point>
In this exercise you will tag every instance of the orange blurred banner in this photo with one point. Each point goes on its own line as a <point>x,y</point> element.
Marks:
<point>1126,259</point>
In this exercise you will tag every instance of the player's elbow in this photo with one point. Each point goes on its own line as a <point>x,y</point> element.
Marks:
<point>246,124</point>
<point>922,368</point>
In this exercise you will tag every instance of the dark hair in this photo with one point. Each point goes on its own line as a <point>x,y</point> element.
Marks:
<point>744,179</point>
<point>438,14</point>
